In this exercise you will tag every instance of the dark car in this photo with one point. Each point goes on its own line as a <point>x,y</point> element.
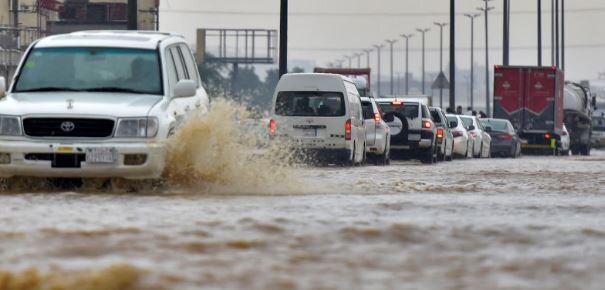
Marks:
<point>505,141</point>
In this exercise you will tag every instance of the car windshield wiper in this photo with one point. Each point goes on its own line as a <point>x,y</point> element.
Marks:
<point>114,90</point>
<point>49,89</point>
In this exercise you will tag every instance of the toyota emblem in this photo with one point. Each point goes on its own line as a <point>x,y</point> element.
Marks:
<point>68,126</point>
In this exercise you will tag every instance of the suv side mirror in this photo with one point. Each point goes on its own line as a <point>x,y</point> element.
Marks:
<point>453,124</point>
<point>488,129</point>
<point>184,89</point>
<point>2,87</point>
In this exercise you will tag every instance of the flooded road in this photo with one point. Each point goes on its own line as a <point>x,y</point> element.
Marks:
<point>530,223</point>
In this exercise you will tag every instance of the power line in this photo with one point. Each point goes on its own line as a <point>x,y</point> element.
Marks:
<point>363,14</point>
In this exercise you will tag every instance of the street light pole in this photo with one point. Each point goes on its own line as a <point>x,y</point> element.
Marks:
<point>452,53</point>
<point>423,31</point>
<point>407,61</point>
<point>506,34</point>
<point>472,18</point>
<point>441,26</point>
<point>563,35</point>
<point>378,48</point>
<point>486,11</point>
<point>391,44</point>
<point>283,38</point>
<point>539,32</point>
<point>358,56</point>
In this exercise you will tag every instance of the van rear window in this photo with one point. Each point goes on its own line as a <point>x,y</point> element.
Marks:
<point>310,104</point>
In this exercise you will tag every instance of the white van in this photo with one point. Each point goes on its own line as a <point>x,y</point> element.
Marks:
<point>320,114</point>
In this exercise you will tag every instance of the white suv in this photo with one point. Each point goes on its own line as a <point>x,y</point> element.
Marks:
<point>97,104</point>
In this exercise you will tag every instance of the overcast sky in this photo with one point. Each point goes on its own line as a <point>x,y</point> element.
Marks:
<point>324,30</point>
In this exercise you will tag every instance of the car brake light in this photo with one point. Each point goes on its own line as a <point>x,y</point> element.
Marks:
<point>457,134</point>
<point>506,137</point>
<point>427,124</point>
<point>397,103</point>
<point>272,128</point>
<point>547,136</point>
<point>348,130</point>
<point>440,133</point>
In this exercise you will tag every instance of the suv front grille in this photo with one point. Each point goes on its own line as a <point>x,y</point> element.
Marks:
<point>68,127</point>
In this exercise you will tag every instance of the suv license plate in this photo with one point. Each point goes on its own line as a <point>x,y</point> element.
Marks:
<point>100,155</point>
<point>414,137</point>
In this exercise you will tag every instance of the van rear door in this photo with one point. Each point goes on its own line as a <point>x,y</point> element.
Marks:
<point>311,117</point>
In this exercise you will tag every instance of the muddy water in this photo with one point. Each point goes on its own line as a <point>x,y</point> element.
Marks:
<point>531,223</point>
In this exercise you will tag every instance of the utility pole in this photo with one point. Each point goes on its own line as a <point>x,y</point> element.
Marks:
<point>472,18</point>
<point>283,38</point>
<point>368,52</point>
<point>358,56</point>
<point>552,32</point>
<point>539,32</point>
<point>441,26</point>
<point>563,35</point>
<point>407,61</point>
<point>506,34</point>
<point>486,11</point>
<point>350,60</point>
<point>133,13</point>
<point>452,53</point>
<point>378,48</point>
<point>391,44</point>
<point>557,53</point>
<point>423,32</point>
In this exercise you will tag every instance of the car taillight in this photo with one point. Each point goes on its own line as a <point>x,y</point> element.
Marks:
<point>505,137</point>
<point>377,117</point>
<point>440,135</point>
<point>348,130</point>
<point>427,124</point>
<point>457,134</point>
<point>547,136</point>
<point>272,128</point>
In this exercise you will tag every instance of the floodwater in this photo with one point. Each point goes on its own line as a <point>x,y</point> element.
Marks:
<point>230,217</point>
<point>530,223</point>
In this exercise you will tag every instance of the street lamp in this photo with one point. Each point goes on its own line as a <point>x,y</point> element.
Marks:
<point>378,48</point>
<point>350,59</point>
<point>358,56</point>
<point>407,61</point>
<point>472,18</point>
<point>486,11</point>
<point>441,26</point>
<point>391,43</point>
<point>423,32</point>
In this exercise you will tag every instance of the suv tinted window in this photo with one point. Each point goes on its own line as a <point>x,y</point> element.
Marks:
<point>436,116</point>
<point>310,104</point>
<point>368,110</point>
<point>410,110</point>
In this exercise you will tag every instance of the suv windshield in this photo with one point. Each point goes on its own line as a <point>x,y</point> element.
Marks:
<point>91,69</point>
<point>310,104</point>
<point>408,109</point>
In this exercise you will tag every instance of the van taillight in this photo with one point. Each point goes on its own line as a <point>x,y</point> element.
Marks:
<point>427,124</point>
<point>348,130</point>
<point>272,128</point>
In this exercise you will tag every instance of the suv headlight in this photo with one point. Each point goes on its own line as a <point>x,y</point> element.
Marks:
<point>10,126</point>
<point>137,128</point>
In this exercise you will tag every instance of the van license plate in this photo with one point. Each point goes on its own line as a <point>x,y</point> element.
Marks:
<point>100,155</point>
<point>310,133</point>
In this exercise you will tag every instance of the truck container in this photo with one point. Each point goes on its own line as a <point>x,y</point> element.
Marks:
<point>531,98</point>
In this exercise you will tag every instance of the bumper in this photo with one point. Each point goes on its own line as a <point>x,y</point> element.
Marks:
<point>22,164</point>
<point>460,145</point>
<point>502,147</point>
<point>415,140</point>
<point>321,155</point>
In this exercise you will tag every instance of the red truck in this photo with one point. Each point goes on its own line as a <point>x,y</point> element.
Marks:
<point>531,98</point>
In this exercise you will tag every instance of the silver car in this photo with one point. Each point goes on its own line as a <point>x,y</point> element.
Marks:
<point>378,134</point>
